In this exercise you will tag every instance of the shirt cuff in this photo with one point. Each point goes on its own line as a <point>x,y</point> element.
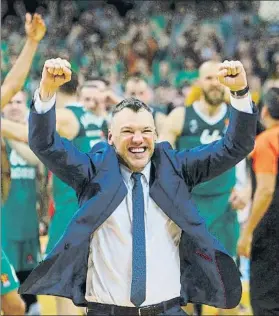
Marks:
<point>243,104</point>
<point>42,107</point>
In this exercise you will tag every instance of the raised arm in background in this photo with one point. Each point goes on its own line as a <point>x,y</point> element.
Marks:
<point>25,152</point>
<point>35,30</point>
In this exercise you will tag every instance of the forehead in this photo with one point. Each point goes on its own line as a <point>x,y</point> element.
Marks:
<point>98,83</point>
<point>129,118</point>
<point>209,70</point>
<point>86,91</point>
<point>136,86</point>
<point>19,96</point>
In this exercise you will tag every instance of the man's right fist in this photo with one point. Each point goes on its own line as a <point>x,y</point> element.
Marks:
<point>56,72</point>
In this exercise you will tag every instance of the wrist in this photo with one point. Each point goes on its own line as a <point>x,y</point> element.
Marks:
<point>32,41</point>
<point>45,93</point>
<point>240,93</point>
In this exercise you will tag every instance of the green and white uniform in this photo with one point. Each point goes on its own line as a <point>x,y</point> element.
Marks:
<point>9,280</point>
<point>92,130</point>
<point>212,197</point>
<point>20,227</point>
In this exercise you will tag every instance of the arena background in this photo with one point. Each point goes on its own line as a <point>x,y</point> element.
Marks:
<point>163,41</point>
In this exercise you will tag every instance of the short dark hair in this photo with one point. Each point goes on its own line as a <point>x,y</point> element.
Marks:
<point>97,78</point>
<point>130,103</point>
<point>71,86</point>
<point>136,79</point>
<point>271,99</point>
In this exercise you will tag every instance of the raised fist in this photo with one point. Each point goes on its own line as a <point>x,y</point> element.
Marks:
<point>232,75</point>
<point>35,28</point>
<point>56,72</point>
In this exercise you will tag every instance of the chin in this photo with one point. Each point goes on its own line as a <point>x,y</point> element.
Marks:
<point>138,166</point>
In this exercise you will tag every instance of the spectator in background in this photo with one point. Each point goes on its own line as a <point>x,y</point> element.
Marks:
<point>189,72</point>
<point>20,237</point>
<point>35,29</point>
<point>260,236</point>
<point>152,36</point>
<point>254,79</point>
<point>273,75</point>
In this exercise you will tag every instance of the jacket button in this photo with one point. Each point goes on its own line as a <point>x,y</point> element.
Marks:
<point>66,246</point>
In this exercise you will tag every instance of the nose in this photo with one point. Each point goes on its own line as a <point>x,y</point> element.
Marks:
<point>215,81</point>
<point>137,138</point>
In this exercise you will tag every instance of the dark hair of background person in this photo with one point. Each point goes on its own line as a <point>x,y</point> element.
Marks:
<point>71,86</point>
<point>271,100</point>
<point>96,78</point>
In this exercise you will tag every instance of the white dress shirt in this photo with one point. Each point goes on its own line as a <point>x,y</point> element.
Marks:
<point>109,272</point>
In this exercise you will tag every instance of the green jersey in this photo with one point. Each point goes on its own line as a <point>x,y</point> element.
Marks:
<point>19,214</point>
<point>92,130</point>
<point>198,130</point>
<point>9,280</point>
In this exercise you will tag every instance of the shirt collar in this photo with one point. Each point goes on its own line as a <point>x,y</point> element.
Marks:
<point>127,173</point>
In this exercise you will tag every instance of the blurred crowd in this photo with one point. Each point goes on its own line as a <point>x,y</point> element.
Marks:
<point>164,42</point>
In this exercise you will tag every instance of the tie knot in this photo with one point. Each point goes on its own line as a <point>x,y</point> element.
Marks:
<point>136,176</point>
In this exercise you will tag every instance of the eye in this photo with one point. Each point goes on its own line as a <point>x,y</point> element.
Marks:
<point>148,131</point>
<point>126,131</point>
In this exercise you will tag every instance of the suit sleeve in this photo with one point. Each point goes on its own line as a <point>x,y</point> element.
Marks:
<point>205,162</point>
<point>58,154</point>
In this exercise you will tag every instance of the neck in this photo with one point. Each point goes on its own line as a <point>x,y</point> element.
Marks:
<point>99,112</point>
<point>272,123</point>
<point>208,109</point>
<point>62,100</point>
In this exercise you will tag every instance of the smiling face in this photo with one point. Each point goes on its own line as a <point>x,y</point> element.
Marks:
<point>133,135</point>
<point>92,98</point>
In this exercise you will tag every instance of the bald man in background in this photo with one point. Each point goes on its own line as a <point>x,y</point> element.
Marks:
<point>204,122</point>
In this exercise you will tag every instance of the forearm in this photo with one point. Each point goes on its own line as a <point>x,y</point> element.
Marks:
<point>15,79</point>
<point>25,152</point>
<point>14,131</point>
<point>261,203</point>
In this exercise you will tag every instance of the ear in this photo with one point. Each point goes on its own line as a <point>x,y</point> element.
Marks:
<point>110,137</point>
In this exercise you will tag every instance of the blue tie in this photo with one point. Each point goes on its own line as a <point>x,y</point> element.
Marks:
<point>138,287</point>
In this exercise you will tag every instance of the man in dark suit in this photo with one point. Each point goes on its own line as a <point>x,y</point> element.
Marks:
<point>137,245</point>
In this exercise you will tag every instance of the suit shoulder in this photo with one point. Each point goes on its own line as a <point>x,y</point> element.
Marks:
<point>103,154</point>
<point>100,147</point>
<point>164,145</point>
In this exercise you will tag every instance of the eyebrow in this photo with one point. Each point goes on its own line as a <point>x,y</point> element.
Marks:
<point>130,127</point>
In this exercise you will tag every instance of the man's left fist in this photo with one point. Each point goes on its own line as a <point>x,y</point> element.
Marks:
<point>232,75</point>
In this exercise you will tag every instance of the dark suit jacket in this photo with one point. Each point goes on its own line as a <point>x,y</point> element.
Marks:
<point>208,274</point>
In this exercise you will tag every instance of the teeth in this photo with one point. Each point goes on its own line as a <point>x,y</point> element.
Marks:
<point>137,150</point>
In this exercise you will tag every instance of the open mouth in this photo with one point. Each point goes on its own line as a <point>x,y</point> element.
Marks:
<point>137,150</point>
